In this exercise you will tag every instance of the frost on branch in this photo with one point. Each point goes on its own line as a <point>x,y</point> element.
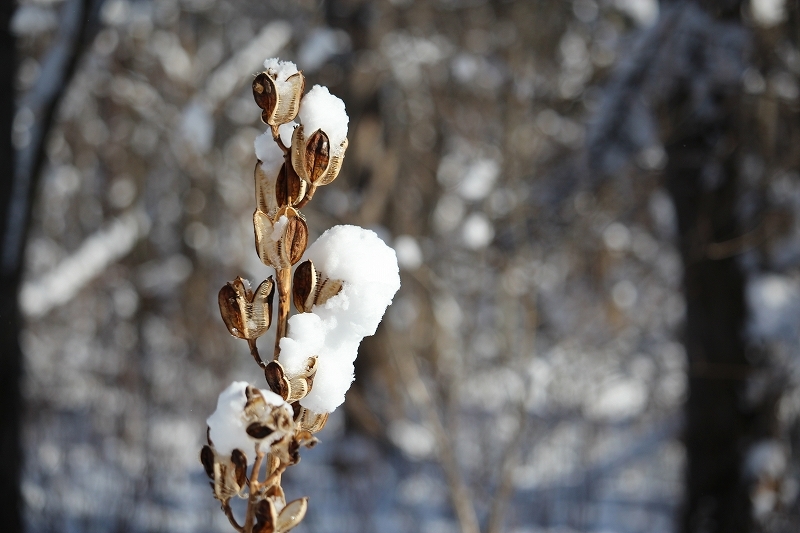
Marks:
<point>333,330</point>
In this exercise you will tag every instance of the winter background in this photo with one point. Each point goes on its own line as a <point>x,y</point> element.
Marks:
<point>531,374</point>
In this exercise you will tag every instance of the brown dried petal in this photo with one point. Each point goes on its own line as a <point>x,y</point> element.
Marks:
<point>207,458</point>
<point>229,309</point>
<point>291,515</point>
<point>317,156</point>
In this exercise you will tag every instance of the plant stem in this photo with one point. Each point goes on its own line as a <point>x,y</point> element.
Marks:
<point>284,283</point>
<point>229,513</point>
<point>249,520</point>
<point>254,352</point>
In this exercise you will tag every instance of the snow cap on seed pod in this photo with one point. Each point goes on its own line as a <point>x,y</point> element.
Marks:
<point>246,313</point>
<point>247,417</point>
<point>281,238</point>
<point>319,143</point>
<point>277,91</point>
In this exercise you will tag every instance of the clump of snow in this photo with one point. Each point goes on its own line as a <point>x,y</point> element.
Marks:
<point>320,110</point>
<point>333,331</point>
<point>227,425</point>
<point>279,70</point>
<point>285,131</point>
<point>278,228</point>
<point>270,155</point>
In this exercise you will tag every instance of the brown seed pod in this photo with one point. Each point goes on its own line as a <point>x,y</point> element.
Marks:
<point>291,515</point>
<point>239,461</point>
<point>246,314</point>
<point>258,430</point>
<point>207,458</point>
<point>276,379</point>
<point>266,517</point>
<point>279,243</point>
<point>311,288</point>
<point>312,421</point>
<point>279,101</point>
<point>314,160</point>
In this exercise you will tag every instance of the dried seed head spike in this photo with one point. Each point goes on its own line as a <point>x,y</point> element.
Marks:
<point>312,288</point>
<point>291,515</point>
<point>246,314</point>
<point>312,421</point>
<point>207,458</point>
<point>280,101</point>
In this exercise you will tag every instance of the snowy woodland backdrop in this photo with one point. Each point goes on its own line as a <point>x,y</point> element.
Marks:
<point>596,209</point>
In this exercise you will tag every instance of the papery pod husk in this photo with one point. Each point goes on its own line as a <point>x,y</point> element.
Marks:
<point>259,431</point>
<point>276,379</point>
<point>275,192</point>
<point>246,314</point>
<point>278,107</point>
<point>311,288</point>
<point>266,190</point>
<point>229,475</point>
<point>291,515</point>
<point>312,421</point>
<point>266,517</point>
<point>305,438</point>
<point>313,160</point>
<point>289,247</point>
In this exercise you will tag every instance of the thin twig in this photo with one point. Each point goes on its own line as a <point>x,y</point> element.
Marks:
<point>232,519</point>
<point>419,394</point>
<point>254,352</point>
<point>253,498</point>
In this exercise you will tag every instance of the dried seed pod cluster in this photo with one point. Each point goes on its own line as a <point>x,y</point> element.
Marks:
<point>312,364</point>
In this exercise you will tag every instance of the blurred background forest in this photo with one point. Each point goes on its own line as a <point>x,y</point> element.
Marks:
<point>596,209</point>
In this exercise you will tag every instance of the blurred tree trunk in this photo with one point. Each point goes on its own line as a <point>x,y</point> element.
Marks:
<point>701,176</point>
<point>10,353</point>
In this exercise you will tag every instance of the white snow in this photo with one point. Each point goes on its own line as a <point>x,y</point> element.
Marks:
<point>479,179</point>
<point>279,70</point>
<point>269,154</point>
<point>278,227</point>
<point>285,131</point>
<point>768,13</point>
<point>409,255</point>
<point>320,110</point>
<point>477,231</point>
<point>227,425</point>
<point>333,331</point>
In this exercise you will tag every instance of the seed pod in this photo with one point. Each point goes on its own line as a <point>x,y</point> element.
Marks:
<point>279,100</point>
<point>314,160</point>
<point>312,421</point>
<point>246,314</point>
<point>207,458</point>
<point>276,379</point>
<point>258,430</point>
<point>311,288</point>
<point>281,240</point>
<point>281,190</point>
<point>266,517</point>
<point>228,473</point>
<point>291,515</point>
